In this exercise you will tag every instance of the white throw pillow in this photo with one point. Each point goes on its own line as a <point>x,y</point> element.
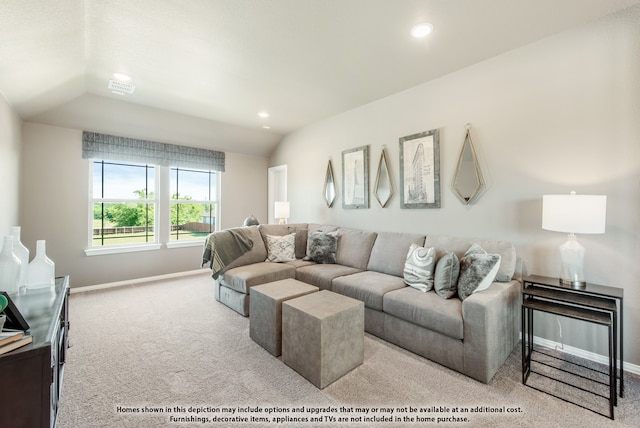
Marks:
<point>419,266</point>
<point>281,248</point>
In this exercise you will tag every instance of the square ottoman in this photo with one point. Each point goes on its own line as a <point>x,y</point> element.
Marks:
<point>323,336</point>
<point>265,322</point>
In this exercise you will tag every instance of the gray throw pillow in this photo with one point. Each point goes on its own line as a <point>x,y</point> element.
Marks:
<point>320,229</point>
<point>446,276</point>
<point>418,268</point>
<point>478,269</point>
<point>322,247</point>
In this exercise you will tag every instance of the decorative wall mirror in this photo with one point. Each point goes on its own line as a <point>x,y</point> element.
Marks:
<point>329,191</point>
<point>383,189</point>
<point>468,182</point>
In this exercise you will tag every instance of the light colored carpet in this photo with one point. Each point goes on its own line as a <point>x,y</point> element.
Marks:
<point>169,345</point>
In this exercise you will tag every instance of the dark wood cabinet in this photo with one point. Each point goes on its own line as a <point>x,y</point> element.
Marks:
<point>31,376</point>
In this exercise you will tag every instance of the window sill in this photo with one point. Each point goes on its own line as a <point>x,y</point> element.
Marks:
<point>119,250</point>
<point>183,244</point>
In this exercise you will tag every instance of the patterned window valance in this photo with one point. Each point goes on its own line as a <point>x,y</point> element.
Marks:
<point>111,147</point>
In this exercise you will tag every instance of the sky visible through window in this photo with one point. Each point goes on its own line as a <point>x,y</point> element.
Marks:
<point>194,184</point>
<point>122,181</point>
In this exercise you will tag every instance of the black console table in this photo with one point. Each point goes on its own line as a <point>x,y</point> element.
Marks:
<point>592,303</point>
<point>32,375</point>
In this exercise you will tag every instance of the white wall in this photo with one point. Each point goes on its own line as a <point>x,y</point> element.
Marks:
<point>244,189</point>
<point>558,115</point>
<point>55,202</point>
<point>10,125</point>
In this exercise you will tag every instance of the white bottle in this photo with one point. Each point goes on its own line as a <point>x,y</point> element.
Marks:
<point>42,270</point>
<point>9,267</point>
<point>22,253</point>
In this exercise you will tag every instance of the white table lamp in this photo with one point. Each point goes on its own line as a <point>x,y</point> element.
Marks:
<point>281,211</point>
<point>574,214</point>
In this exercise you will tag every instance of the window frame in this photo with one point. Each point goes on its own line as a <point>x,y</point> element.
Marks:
<point>162,210</point>
<point>155,201</point>
<point>214,202</point>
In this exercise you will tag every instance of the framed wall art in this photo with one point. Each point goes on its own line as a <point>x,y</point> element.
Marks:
<point>355,178</point>
<point>420,170</point>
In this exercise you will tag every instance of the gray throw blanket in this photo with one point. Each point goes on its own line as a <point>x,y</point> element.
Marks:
<point>223,247</point>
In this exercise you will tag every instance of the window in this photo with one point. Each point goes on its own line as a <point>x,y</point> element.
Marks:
<point>193,204</point>
<point>146,194</point>
<point>124,204</point>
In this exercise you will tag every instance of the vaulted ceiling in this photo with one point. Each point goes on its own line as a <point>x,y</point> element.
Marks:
<point>204,69</point>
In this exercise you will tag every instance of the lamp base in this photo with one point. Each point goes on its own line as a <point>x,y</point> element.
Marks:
<point>283,221</point>
<point>573,284</point>
<point>572,256</point>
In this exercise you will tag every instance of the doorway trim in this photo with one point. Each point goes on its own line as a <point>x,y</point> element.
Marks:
<point>277,182</point>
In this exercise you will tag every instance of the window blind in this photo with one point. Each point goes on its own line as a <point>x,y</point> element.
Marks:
<point>114,148</point>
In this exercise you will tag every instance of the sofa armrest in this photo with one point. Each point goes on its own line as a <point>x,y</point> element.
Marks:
<point>491,328</point>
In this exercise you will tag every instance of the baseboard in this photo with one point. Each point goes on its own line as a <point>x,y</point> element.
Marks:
<point>591,356</point>
<point>138,281</point>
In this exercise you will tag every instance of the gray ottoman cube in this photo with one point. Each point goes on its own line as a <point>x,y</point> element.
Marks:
<point>265,322</point>
<point>323,336</point>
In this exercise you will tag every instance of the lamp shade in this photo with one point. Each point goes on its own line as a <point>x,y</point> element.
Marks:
<point>574,213</point>
<point>281,210</point>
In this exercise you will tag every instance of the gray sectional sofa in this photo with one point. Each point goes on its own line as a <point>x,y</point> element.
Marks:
<point>473,336</point>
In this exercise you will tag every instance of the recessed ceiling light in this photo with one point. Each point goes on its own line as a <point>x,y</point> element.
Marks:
<point>266,127</point>
<point>420,31</point>
<point>263,114</point>
<point>124,87</point>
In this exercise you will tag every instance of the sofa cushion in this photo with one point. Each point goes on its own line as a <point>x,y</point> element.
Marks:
<point>298,263</point>
<point>315,227</point>
<point>322,247</point>
<point>242,278</point>
<point>368,286</point>
<point>478,269</point>
<point>354,247</point>
<point>460,246</point>
<point>446,276</point>
<point>300,229</point>
<point>419,267</point>
<point>273,229</point>
<point>427,310</point>
<point>321,275</point>
<point>389,252</point>
<point>301,240</point>
<point>281,248</point>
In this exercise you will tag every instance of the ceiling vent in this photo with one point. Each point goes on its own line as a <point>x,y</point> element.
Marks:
<point>122,87</point>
